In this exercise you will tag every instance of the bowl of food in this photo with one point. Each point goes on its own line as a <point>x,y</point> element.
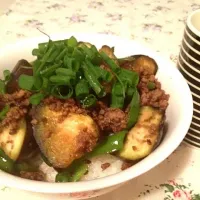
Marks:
<point>82,114</point>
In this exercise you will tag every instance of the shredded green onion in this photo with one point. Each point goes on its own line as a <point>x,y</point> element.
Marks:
<point>35,99</point>
<point>2,87</point>
<point>68,68</point>
<point>89,101</point>
<point>134,109</point>
<point>7,75</point>
<point>82,89</point>
<point>62,91</point>
<point>4,111</point>
<point>117,99</point>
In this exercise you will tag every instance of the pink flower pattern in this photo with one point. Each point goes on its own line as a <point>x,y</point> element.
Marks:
<point>177,193</point>
<point>173,190</point>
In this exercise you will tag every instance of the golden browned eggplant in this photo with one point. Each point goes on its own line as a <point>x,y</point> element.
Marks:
<point>62,139</point>
<point>12,144</point>
<point>143,137</point>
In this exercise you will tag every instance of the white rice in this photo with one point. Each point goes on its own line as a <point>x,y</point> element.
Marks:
<point>95,171</point>
<point>95,168</point>
<point>50,172</point>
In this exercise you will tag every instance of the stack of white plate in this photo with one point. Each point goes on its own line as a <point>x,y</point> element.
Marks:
<point>189,65</point>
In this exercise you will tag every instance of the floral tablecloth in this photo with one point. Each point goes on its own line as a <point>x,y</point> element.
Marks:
<point>158,24</point>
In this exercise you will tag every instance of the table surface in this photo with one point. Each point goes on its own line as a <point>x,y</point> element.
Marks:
<point>158,24</point>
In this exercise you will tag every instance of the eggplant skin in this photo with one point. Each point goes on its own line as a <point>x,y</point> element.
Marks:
<point>22,67</point>
<point>63,141</point>
<point>139,63</point>
<point>110,52</point>
<point>143,137</point>
<point>87,44</point>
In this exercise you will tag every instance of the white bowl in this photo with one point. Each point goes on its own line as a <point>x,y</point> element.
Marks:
<point>179,115</point>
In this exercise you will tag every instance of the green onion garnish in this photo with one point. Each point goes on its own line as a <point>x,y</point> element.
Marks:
<point>26,82</point>
<point>35,99</point>
<point>4,111</point>
<point>89,101</point>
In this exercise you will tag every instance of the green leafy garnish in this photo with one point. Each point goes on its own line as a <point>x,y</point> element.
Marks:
<point>4,111</point>
<point>2,87</point>
<point>134,109</point>
<point>26,82</point>
<point>35,99</point>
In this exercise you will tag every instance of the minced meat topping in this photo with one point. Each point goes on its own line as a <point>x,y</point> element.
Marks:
<point>108,119</point>
<point>19,103</point>
<point>156,98</point>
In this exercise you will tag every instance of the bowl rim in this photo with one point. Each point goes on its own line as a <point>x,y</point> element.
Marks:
<point>191,25</point>
<point>112,180</point>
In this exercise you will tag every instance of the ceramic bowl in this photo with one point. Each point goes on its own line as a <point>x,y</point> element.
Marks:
<point>178,116</point>
<point>189,65</point>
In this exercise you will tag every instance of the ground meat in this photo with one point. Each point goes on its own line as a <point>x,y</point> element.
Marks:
<point>19,105</point>
<point>37,176</point>
<point>85,141</point>
<point>19,98</point>
<point>110,119</point>
<point>34,122</point>
<point>65,106</point>
<point>157,97</point>
<point>126,165</point>
<point>104,166</point>
<point>14,115</point>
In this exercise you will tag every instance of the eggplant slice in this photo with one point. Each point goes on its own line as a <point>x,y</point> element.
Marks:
<point>138,63</point>
<point>87,44</point>
<point>61,138</point>
<point>30,147</point>
<point>12,144</point>
<point>143,137</point>
<point>110,52</point>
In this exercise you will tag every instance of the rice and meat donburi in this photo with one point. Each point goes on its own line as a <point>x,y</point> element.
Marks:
<point>77,113</point>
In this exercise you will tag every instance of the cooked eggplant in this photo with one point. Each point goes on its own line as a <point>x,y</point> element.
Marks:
<point>139,63</point>
<point>143,137</point>
<point>110,52</point>
<point>30,147</point>
<point>87,44</point>
<point>63,139</point>
<point>22,67</point>
<point>12,144</point>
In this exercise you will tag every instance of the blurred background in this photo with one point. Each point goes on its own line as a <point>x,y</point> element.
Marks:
<point>4,5</point>
<point>151,22</point>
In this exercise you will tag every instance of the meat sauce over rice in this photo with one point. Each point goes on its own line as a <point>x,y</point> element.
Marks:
<point>99,122</point>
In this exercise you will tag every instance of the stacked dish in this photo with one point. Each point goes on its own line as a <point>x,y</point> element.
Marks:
<point>189,65</point>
